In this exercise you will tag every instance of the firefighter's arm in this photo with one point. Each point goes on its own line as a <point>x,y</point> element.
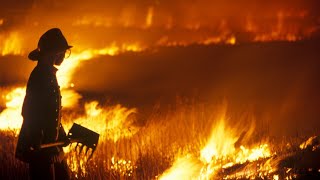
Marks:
<point>37,109</point>
<point>63,136</point>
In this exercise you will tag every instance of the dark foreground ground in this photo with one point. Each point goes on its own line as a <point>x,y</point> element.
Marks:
<point>293,163</point>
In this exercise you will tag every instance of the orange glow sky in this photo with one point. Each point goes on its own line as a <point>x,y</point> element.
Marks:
<point>98,23</point>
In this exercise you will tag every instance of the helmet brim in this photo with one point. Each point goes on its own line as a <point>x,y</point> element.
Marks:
<point>35,54</point>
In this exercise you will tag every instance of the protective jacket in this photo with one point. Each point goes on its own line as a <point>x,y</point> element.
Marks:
<point>41,117</point>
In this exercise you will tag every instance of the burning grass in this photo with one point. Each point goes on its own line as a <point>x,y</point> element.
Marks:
<point>187,141</point>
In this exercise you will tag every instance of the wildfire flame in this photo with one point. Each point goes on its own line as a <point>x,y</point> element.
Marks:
<point>11,43</point>
<point>149,17</point>
<point>10,118</point>
<point>110,122</point>
<point>161,30</point>
<point>221,149</point>
<point>220,152</point>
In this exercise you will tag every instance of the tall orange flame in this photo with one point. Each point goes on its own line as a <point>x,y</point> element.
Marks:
<point>149,17</point>
<point>219,152</point>
<point>11,43</point>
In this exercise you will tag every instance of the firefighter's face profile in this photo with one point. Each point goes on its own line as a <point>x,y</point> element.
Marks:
<point>59,58</point>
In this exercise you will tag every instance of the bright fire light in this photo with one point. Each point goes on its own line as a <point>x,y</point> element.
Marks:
<point>219,153</point>
<point>11,43</point>
<point>10,118</point>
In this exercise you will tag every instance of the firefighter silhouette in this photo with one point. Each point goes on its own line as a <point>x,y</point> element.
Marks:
<point>41,111</point>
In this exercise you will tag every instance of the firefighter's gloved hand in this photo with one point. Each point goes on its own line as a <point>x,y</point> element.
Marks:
<point>63,136</point>
<point>66,141</point>
<point>35,139</point>
<point>35,147</point>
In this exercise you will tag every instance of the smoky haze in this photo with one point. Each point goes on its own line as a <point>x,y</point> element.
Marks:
<point>279,80</point>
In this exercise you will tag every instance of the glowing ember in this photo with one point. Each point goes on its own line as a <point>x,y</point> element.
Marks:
<point>122,167</point>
